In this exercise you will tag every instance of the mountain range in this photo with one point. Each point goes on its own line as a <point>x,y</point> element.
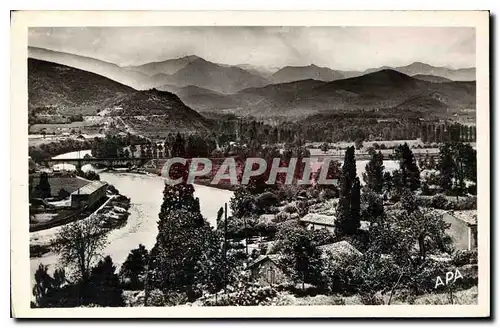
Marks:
<point>114,72</point>
<point>194,70</point>
<point>72,91</point>
<point>418,68</point>
<point>380,90</point>
<point>297,73</point>
<point>244,89</point>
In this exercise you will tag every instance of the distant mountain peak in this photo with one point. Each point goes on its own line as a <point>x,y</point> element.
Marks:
<point>190,57</point>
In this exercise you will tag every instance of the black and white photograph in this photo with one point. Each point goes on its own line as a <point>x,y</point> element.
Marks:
<point>288,166</point>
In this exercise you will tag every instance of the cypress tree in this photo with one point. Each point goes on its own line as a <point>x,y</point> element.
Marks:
<point>374,175</point>
<point>410,173</point>
<point>44,186</point>
<point>187,254</point>
<point>445,167</point>
<point>353,222</point>
<point>344,223</point>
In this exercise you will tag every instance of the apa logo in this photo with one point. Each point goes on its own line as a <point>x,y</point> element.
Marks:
<point>449,276</point>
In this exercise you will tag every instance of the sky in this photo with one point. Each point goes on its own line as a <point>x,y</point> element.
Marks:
<point>343,48</point>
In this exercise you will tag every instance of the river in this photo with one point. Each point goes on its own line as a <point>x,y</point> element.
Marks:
<point>146,195</point>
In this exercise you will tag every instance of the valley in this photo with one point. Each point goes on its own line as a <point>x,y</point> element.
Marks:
<point>396,145</point>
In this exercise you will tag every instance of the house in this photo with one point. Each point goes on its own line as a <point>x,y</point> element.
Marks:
<point>266,270</point>
<point>463,228</point>
<point>88,194</point>
<point>339,250</point>
<point>317,221</point>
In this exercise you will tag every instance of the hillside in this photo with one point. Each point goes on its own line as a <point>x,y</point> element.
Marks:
<point>201,99</point>
<point>72,91</point>
<point>384,89</point>
<point>431,78</point>
<point>297,73</point>
<point>155,112</point>
<point>114,72</point>
<point>461,74</point>
<point>258,70</point>
<point>167,67</point>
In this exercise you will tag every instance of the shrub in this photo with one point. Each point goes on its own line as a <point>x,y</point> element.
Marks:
<point>312,193</point>
<point>249,295</point>
<point>282,217</point>
<point>463,257</point>
<point>469,203</point>
<point>439,202</point>
<point>328,193</point>
<point>63,193</point>
<point>472,189</point>
<point>266,200</point>
<point>383,146</point>
<point>266,228</point>
<point>290,208</point>
<point>371,299</point>
<point>159,298</point>
<point>425,189</point>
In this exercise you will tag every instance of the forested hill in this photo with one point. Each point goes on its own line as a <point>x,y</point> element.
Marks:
<point>70,91</point>
<point>381,90</point>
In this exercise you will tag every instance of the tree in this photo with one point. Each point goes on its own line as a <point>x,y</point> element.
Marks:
<point>80,244</point>
<point>220,214</point>
<point>160,151</point>
<point>353,224</point>
<point>324,147</point>
<point>45,284</point>
<point>133,149</point>
<point>374,175</point>
<point>445,166</point>
<point>410,173</point>
<point>30,186</point>
<point>133,270</point>
<point>332,173</point>
<point>346,224</point>
<point>431,164</point>
<point>154,150</point>
<point>178,147</point>
<point>358,143</point>
<point>372,208</point>
<point>44,186</point>
<point>424,226</point>
<point>104,286</point>
<point>47,289</point>
<point>187,256</point>
<point>300,256</point>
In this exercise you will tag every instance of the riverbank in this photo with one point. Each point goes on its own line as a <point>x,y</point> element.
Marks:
<point>146,196</point>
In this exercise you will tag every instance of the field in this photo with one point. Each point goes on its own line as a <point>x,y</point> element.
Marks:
<point>462,297</point>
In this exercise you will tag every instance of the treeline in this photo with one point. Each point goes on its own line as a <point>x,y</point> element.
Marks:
<point>341,127</point>
<point>105,146</point>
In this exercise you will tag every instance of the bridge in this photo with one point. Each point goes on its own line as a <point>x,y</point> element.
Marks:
<point>108,162</point>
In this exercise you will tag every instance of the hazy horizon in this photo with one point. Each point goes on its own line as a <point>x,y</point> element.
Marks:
<point>269,47</point>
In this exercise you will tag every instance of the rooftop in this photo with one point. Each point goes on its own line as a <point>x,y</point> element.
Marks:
<point>467,216</point>
<point>90,188</point>
<point>341,248</point>
<point>321,219</point>
<point>272,257</point>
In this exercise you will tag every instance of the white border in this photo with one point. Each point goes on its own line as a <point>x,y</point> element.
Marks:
<point>20,272</point>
